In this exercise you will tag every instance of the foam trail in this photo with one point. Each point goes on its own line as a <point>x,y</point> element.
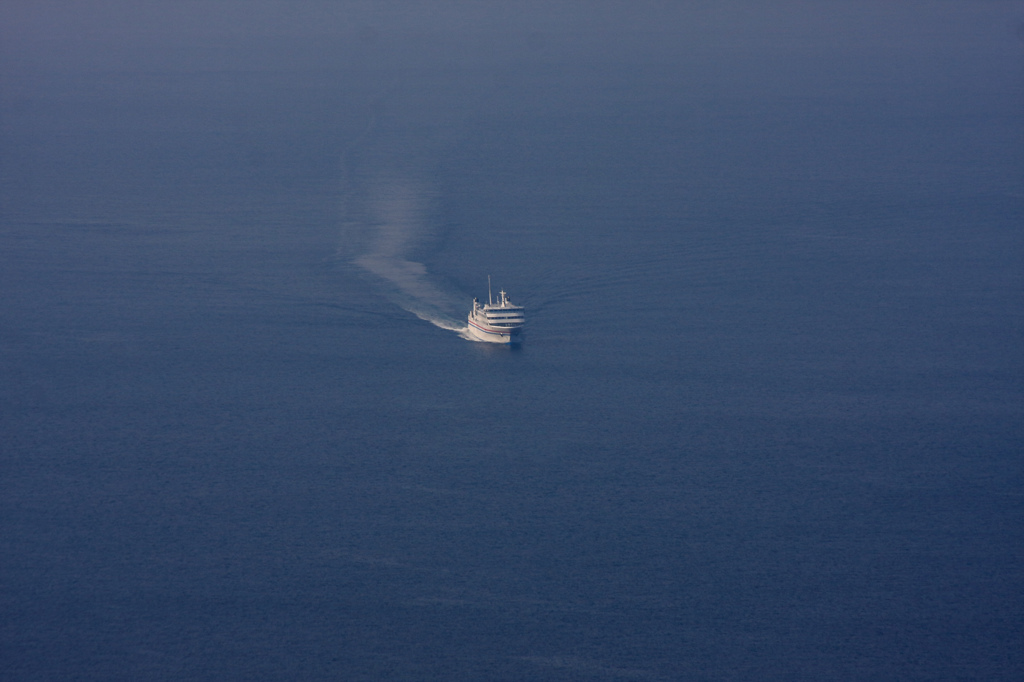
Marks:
<point>396,209</point>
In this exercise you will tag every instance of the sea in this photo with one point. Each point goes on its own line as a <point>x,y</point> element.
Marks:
<point>766,423</point>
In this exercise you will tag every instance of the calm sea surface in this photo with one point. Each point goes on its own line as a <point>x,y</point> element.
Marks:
<point>767,422</point>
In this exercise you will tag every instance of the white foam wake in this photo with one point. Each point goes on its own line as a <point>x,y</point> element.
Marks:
<point>396,227</point>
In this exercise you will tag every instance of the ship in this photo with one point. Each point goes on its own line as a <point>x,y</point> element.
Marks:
<point>497,322</point>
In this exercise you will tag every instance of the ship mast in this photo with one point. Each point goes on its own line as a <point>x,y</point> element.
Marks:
<point>489,301</point>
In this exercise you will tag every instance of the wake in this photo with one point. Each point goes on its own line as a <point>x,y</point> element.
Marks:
<point>395,228</point>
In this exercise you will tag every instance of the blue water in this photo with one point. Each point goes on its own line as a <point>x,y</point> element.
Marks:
<point>766,423</point>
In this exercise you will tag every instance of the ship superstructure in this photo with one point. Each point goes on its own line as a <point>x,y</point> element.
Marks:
<point>496,321</point>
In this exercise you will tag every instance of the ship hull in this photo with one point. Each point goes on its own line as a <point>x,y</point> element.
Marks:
<point>491,335</point>
<point>496,322</point>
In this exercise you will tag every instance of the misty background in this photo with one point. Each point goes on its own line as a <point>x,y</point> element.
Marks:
<point>766,422</point>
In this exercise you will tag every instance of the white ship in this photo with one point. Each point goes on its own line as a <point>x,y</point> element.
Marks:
<point>499,322</point>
